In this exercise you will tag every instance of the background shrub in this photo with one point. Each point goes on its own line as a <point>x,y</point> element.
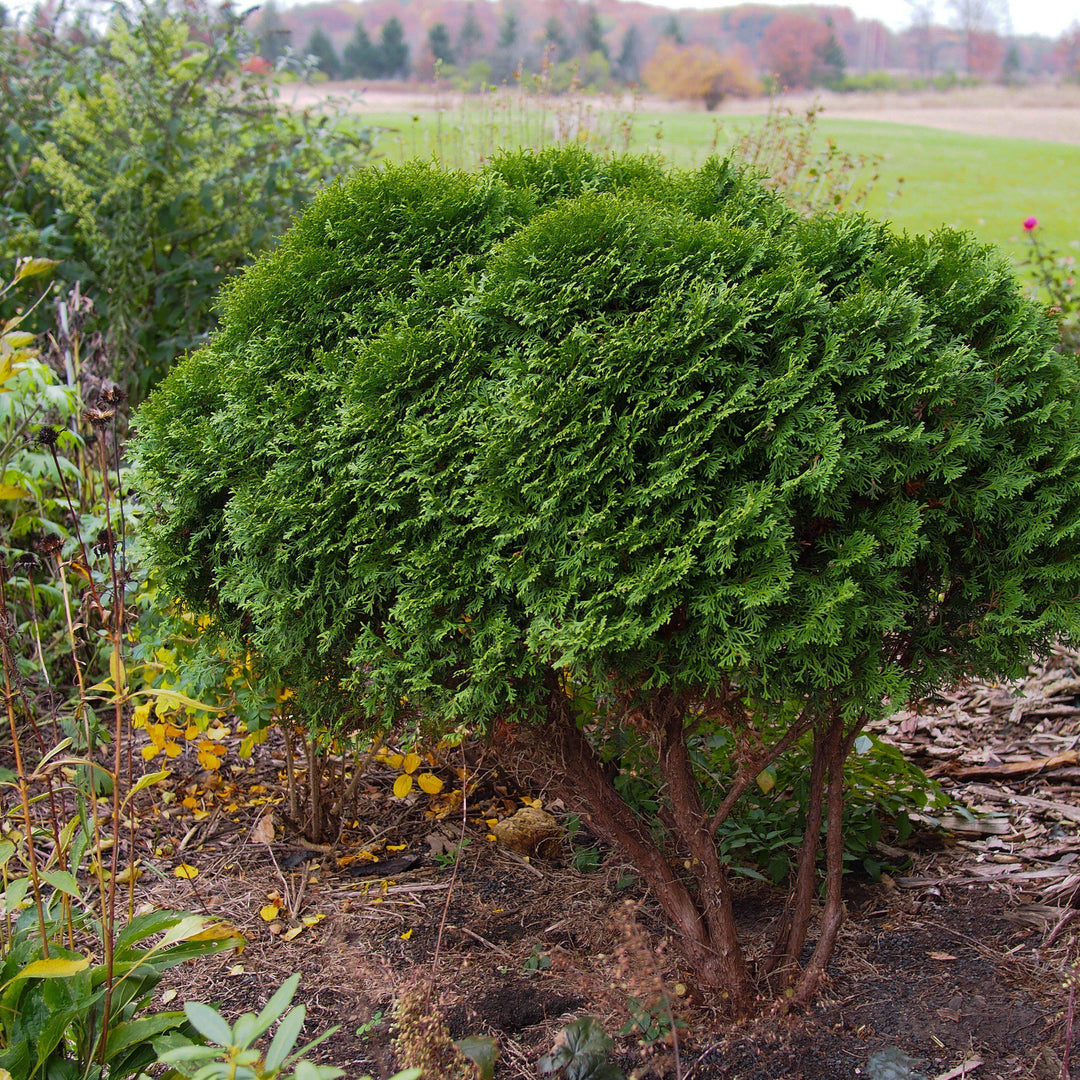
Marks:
<point>594,445</point>
<point>144,157</point>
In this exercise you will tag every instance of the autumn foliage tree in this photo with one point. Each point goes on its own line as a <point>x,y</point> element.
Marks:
<point>586,452</point>
<point>699,73</point>
<point>794,49</point>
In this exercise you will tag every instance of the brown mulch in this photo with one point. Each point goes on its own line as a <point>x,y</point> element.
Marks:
<point>957,959</point>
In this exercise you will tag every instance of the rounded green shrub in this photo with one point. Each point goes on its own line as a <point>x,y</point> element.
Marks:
<point>571,429</point>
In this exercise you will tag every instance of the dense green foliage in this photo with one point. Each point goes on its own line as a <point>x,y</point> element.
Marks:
<point>647,430</point>
<point>146,159</point>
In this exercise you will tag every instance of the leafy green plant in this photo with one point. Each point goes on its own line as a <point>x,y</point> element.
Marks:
<point>63,1015</point>
<point>581,1053</point>
<point>230,1052</point>
<point>145,157</point>
<point>446,859</point>
<point>650,1023</point>
<point>537,960</point>
<point>576,446</point>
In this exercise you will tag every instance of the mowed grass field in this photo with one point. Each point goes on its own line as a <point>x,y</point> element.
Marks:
<point>927,177</point>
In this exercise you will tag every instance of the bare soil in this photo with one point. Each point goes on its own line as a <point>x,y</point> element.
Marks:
<point>1044,112</point>
<point>956,957</point>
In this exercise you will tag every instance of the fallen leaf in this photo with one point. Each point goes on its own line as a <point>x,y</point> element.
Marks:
<point>263,832</point>
<point>429,783</point>
<point>167,996</point>
<point>402,786</point>
<point>311,920</point>
<point>941,956</point>
<point>269,912</point>
<point>295,932</point>
<point>184,870</point>
<point>411,763</point>
<point>236,969</point>
<point>407,934</point>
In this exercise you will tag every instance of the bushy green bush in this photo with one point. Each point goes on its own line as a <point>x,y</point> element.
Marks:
<point>587,444</point>
<point>153,165</point>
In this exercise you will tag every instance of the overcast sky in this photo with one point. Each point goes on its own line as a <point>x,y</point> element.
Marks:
<point>1048,17</point>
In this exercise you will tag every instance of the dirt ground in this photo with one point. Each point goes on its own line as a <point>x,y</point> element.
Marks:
<point>956,957</point>
<point>1044,112</point>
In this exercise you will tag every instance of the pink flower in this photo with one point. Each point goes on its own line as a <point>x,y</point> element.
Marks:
<point>1030,223</point>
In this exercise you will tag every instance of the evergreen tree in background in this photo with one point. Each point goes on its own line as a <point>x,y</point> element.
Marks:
<point>628,65</point>
<point>272,36</point>
<point>673,31</point>
<point>508,30</point>
<point>439,43</point>
<point>322,48</point>
<point>592,34</point>
<point>556,46</point>
<point>832,59</point>
<point>470,37</point>
<point>393,49</point>
<point>359,59</point>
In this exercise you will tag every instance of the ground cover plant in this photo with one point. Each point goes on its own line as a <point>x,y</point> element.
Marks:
<point>572,446</point>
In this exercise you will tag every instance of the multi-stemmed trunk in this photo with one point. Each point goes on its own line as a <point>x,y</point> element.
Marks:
<point>694,888</point>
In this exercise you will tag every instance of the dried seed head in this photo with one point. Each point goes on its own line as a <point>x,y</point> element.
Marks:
<point>112,394</point>
<point>99,417</point>
<point>47,436</point>
<point>27,562</point>
<point>50,545</point>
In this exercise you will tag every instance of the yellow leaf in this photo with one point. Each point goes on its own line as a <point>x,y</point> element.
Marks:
<point>766,781</point>
<point>208,760</point>
<point>393,760</point>
<point>396,847</point>
<point>172,750</point>
<point>491,822</point>
<point>190,802</point>
<point>19,339</point>
<point>269,913</point>
<point>29,267</point>
<point>411,763</point>
<point>167,996</point>
<point>536,804</point>
<point>236,969</point>
<point>402,786</point>
<point>53,969</point>
<point>407,934</point>
<point>218,732</point>
<point>184,870</point>
<point>191,732</point>
<point>429,783</point>
<point>117,671</point>
<point>149,752</point>
<point>10,491</point>
<point>491,837</point>
<point>220,931</point>
<point>294,932</point>
<point>176,698</point>
<point>247,747</point>
<point>311,920</point>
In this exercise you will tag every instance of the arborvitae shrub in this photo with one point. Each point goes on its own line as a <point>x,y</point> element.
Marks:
<point>580,443</point>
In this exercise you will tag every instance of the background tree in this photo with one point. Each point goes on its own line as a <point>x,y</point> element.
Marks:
<point>393,50</point>
<point>439,43</point>
<point>831,59</point>
<point>673,31</point>
<point>792,49</point>
<point>922,30</point>
<point>699,73</point>
<point>556,45</point>
<point>470,37</point>
<point>628,64</point>
<point>978,20</point>
<point>272,36</point>
<point>359,58</point>
<point>322,48</point>
<point>592,34</point>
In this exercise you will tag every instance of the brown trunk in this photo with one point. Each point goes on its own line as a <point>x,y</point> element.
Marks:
<point>706,938</point>
<point>792,935</point>
<point>838,747</point>
<point>713,888</point>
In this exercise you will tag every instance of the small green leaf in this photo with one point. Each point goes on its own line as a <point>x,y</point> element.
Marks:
<point>285,1038</point>
<point>30,267</point>
<point>208,1023</point>
<point>482,1051</point>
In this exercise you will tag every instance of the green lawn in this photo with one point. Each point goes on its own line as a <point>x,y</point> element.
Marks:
<point>985,184</point>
